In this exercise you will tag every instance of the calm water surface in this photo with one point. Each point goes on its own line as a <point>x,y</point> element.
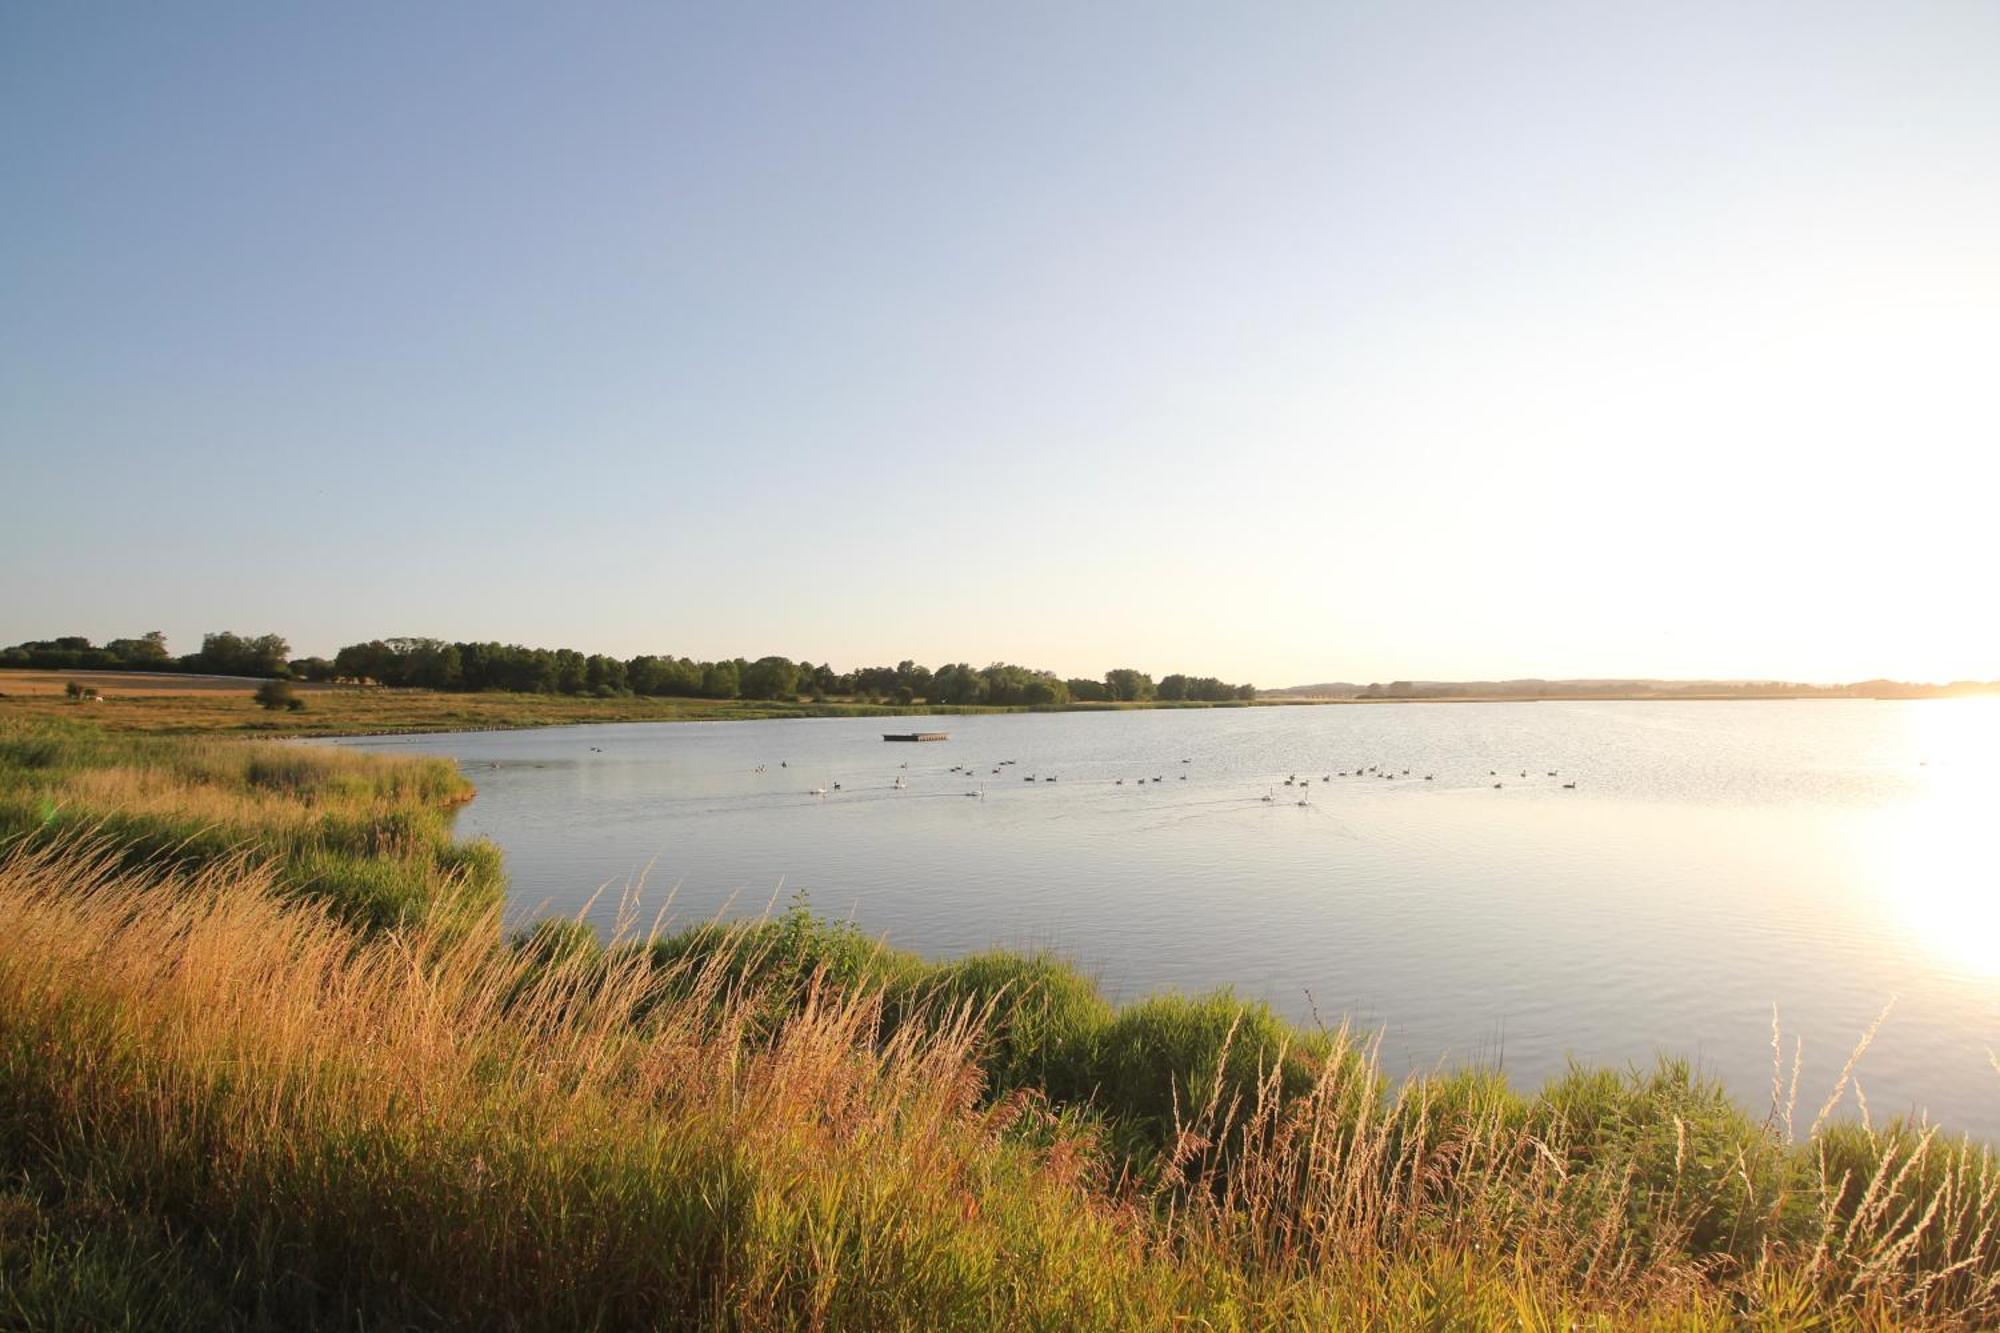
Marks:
<point>1714,860</point>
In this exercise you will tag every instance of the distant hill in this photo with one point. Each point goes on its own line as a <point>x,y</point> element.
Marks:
<point>1332,689</point>
<point>1535,688</point>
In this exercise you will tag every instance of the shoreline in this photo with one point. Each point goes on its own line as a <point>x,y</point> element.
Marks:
<point>350,712</point>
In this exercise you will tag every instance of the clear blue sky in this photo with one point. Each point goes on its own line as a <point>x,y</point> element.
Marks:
<point>1285,343</point>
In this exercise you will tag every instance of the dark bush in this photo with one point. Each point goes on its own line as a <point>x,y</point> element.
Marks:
<point>276,694</point>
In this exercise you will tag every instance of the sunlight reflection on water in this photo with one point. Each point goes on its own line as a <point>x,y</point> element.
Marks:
<point>1939,855</point>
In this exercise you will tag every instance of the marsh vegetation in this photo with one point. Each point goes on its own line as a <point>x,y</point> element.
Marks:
<point>244,1084</point>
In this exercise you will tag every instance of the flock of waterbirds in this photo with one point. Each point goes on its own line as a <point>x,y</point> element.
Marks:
<point>1304,784</point>
<point>1301,784</point>
<point>1270,796</point>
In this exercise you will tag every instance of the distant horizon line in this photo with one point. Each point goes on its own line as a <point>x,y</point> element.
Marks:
<point>1416,687</point>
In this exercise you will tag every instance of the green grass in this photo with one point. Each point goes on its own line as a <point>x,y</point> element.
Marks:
<point>268,1062</point>
<point>1044,1026</point>
<point>1633,1177</point>
<point>370,838</point>
<point>355,711</point>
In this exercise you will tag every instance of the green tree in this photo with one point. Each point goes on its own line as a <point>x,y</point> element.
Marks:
<point>1128,686</point>
<point>604,676</point>
<point>430,664</point>
<point>148,650</point>
<point>268,655</point>
<point>719,680</point>
<point>956,683</point>
<point>770,678</point>
<point>366,661</point>
<point>230,654</point>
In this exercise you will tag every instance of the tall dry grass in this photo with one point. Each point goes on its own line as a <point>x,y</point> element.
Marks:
<point>419,1128</point>
<point>297,1124</point>
<point>1653,1190</point>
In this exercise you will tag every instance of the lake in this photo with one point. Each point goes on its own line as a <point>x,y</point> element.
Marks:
<point>1713,860</point>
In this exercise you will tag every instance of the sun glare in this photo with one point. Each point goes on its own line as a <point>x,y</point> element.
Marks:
<point>1941,862</point>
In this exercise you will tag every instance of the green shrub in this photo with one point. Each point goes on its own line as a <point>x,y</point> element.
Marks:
<point>1161,1060</point>
<point>787,952</point>
<point>275,694</point>
<point>1680,1141</point>
<point>1044,1017</point>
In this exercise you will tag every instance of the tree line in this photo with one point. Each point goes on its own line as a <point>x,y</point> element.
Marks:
<point>439,665</point>
<point>222,654</point>
<point>476,667</point>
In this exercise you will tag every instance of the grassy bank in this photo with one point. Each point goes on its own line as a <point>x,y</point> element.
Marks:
<point>150,707</point>
<point>371,711</point>
<point>236,1095</point>
<point>369,838</point>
